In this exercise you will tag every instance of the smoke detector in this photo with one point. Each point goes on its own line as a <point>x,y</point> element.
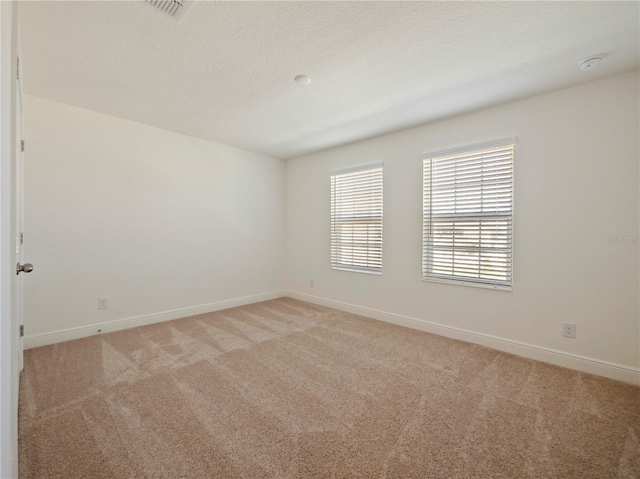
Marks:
<point>174,8</point>
<point>302,79</point>
<point>590,63</point>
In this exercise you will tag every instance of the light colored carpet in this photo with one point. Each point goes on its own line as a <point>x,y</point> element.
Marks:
<point>286,389</point>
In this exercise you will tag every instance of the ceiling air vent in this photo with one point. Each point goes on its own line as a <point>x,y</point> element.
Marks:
<point>174,8</point>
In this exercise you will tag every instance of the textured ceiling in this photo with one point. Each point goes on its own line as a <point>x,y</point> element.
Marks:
<point>225,71</point>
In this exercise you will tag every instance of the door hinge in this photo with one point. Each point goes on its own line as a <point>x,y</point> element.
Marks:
<point>22,145</point>
<point>18,68</point>
<point>21,238</point>
<point>21,330</point>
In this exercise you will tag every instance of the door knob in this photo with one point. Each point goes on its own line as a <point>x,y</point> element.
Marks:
<point>27,268</point>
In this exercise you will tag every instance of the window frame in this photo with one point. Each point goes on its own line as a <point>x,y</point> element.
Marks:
<point>332,223</point>
<point>462,281</point>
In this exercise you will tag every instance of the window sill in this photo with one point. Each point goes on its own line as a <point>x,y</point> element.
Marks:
<point>376,273</point>
<point>473,284</point>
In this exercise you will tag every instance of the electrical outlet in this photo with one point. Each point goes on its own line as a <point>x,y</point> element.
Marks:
<point>569,330</point>
<point>312,283</point>
<point>103,303</point>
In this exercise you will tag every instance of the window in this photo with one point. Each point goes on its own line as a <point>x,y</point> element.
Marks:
<point>356,220</point>
<point>468,216</point>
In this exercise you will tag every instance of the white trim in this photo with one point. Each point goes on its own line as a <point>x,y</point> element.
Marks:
<point>585,364</point>
<point>54,337</point>
<point>475,284</point>
<point>471,148</point>
<point>353,270</point>
<point>353,169</point>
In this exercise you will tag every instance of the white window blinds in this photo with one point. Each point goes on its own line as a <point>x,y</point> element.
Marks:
<point>468,217</point>
<point>356,220</point>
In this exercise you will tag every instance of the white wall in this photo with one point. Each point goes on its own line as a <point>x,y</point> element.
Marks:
<point>576,182</point>
<point>152,220</point>
<point>158,222</point>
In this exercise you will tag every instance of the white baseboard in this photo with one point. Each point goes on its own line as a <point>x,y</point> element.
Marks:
<point>585,364</point>
<point>45,339</point>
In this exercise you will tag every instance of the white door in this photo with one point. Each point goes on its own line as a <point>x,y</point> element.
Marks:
<point>10,350</point>
<point>19,310</point>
